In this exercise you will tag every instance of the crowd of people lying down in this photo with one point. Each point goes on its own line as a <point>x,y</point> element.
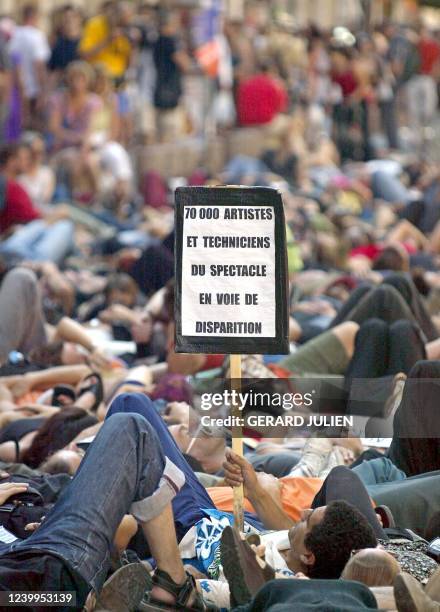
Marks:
<point>111,487</point>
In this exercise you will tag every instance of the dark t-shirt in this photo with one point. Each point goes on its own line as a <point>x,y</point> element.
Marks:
<point>403,51</point>
<point>168,80</point>
<point>64,52</point>
<point>41,571</point>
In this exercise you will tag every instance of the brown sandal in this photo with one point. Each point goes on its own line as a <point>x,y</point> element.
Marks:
<point>182,593</point>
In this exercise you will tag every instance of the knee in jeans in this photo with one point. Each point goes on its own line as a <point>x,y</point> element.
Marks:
<point>65,225</point>
<point>133,402</point>
<point>124,419</point>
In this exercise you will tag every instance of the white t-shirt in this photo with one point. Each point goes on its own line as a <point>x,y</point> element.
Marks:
<point>39,186</point>
<point>31,45</point>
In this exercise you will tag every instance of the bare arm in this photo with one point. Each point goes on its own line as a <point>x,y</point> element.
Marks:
<point>70,375</point>
<point>140,374</point>
<point>270,513</point>
<point>183,61</point>
<point>50,187</point>
<point>60,287</point>
<point>184,363</point>
<point>20,385</point>
<point>239,471</point>
<point>71,331</point>
<point>87,433</point>
<point>405,230</point>
<point>115,131</point>
<point>434,240</point>
<point>5,85</point>
<point>41,73</point>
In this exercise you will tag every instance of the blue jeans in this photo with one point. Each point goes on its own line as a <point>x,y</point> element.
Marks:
<point>389,188</point>
<point>241,167</point>
<point>124,471</point>
<point>192,498</point>
<point>378,471</point>
<point>38,241</point>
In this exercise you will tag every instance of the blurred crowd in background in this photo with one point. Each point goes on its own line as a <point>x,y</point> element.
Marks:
<point>79,103</point>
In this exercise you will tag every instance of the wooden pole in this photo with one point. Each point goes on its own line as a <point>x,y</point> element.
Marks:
<point>237,439</point>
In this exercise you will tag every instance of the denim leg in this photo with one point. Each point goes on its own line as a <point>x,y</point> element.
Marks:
<point>124,471</point>
<point>55,242</point>
<point>389,188</point>
<point>378,470</point>
<point>192,497</point>
<point>22,241</point>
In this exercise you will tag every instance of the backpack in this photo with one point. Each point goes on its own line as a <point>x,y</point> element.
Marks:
<point>22,509</point>
<point>34,504</point>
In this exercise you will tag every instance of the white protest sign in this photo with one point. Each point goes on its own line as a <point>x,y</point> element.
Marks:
<point>231,283</point>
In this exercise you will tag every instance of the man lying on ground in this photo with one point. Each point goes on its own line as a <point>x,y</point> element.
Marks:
<point>124,471</point>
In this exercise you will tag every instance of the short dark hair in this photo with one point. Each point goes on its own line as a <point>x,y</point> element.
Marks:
<point>389,259</point>
<point>432,530</point>
<point>121,282</point>
<point>29,11</point>
<point>48,355</point>
<point>7,152</point>
<point>342,530</point>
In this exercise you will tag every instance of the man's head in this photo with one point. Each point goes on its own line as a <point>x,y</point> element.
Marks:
<point>62,462</point>
<point>390,29</point>
<point>79,77</point>
<point>393,257</point>
<point>121,289</point>
<point>168,22</point>
<point>30,14</point>
<point>71,21</point>
<point>374,567</point>
<point>322,542</point>
<point>124,11</point>
<point>12,159</point>
<point>108,7</point>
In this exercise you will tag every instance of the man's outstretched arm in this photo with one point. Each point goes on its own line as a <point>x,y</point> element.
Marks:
<point>239,471</point>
